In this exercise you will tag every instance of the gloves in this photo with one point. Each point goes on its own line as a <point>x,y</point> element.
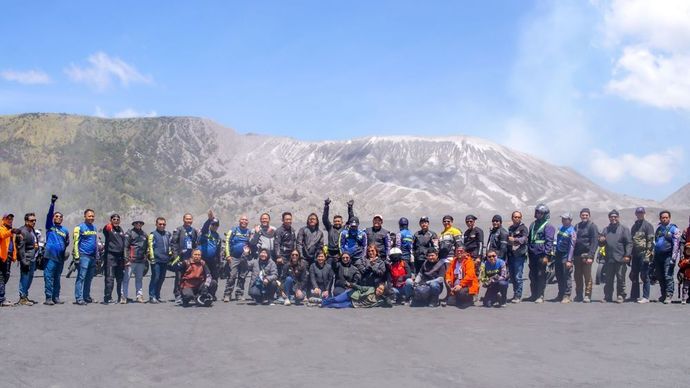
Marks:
<point>351,202</point>
<point>53,198</point>
<point>327,201</point>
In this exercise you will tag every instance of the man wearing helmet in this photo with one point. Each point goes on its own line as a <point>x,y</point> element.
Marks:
<point>404,240</point>
<point>539,247</point>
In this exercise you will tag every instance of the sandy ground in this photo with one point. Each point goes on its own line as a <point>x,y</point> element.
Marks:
<point>235,345</point>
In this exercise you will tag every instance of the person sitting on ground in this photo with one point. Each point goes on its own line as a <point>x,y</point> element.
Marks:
<point>359,297</point>
<point>494,276</point>
<point>346,276</point>
<point>196,284</point>
<point>461,279</point>
<point>372,267</point>
<point>684,274</point>
<point>429,282</point>
<point>321,277</point>
<point>264,280</point>
<point>295,279</point>
<point>400,277</point>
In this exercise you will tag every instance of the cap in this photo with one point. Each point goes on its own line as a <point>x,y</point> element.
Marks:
<point>7,215</point>
<point>378,216</point>
<point>137,222</point>
<point>114,215</point>
<point>470,217</point>
<point>447,217</point>
<point>567,216</point>
<point>354,221</point>
<point>497,218</point>
<point>613,212</point>
<point>640,210</point>
<point>424,219</point>
<point>585,210</point>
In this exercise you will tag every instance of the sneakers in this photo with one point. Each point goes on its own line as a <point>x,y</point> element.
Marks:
<point>586,299</point>
<point>123,300</point>
<point>140,299</point>
<point>58,301</point>
<point>153,300</point>
<point>287,302</point>
<point>516,300</point>
<point>88,300</point>
<point>566,299</point>
<point>667,300</point>
<point>539,300</point>
<point>643,300</point>
<point>7,303</point>
<point>25,302</point>
<point>683,301</point>
<point>226,299</point>
<point>80,303</point>
<point>578,298</point>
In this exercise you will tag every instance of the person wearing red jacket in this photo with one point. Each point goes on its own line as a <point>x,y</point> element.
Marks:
<point>461,279</point>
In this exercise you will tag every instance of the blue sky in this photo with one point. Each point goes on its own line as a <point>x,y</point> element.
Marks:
<point>600,86</point>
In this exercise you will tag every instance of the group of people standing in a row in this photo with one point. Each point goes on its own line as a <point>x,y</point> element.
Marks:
<point>347,266</point>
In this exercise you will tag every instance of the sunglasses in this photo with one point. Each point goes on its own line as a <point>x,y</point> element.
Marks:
<point>34,220</point>
<point>491,256</point>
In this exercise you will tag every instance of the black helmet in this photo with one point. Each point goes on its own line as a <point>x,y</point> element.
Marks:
<point>543,209</point>
<point>403,222</point>
<point>204,299</point>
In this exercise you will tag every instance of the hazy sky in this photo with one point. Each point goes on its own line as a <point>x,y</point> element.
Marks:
<point>601,86</point>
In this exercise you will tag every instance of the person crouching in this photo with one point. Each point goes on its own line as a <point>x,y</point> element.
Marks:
<point>197,284</point>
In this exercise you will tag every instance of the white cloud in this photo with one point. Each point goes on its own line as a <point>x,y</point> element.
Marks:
<point>654,168</point>
<point>27,77</point>
<point>652,39</point>
<point>127,113</point>
<point>103,69</point>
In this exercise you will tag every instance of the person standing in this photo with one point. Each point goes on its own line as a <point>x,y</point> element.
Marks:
<point>422,241</point>
<point>237,240</point>
<point>498,237</point>
<point>353,242</point>
<point>518,236</point>
<point>310,240</point>
<point>449,240</point>
<point>404,240</point>
<point>565,246</point>
<point>377,234</point>
<point>539,248</point>
<point>27,246</point>
<point>184,239</point>
<point>642,233</point>
<point>84,256</point>
<point>114,252</point>
<point>8,255</point>
<point>57,240</point>
<point>136,243</point>
<point>583,256</point>
<point>334,229</point>
<point>285,243</point>
<point>473,239</point>
<point>160,255</point>
<point>618,247</point>
<point>666,254</point>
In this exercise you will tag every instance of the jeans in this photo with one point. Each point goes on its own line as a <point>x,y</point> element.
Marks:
<point>261,292</point>
<point>85,272</point>
<point>404,291</point>
<point>537,277</point>
<point>639,271</point>
<point>158,271</point>
<point>51,276</point>
<point>138,270</point>
<point>114,272</point>
<point>583,277</point>
<point>289,284</point>
<point>564,275</point>
<point>25,280</point>
<point>516,265</point>
<point>340,301</point>
<point>492,291</point>
<point>615,271</point>
<point>664,273</point>
<point>5,267</point>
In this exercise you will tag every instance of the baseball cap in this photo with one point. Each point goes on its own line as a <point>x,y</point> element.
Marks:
<point>7,215</point>
<point>378,216</point>
<point>567,216</point>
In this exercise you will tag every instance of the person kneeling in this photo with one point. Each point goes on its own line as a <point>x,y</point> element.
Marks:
<point>264,278</point>
<point>429,283</point>
<point>461,279</point>
<point>359,297</point>
<point>493,275</point>
<point>197,284</point>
